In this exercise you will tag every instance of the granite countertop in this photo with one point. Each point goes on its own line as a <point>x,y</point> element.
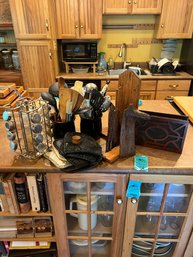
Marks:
<point>160,161</point>
<point>92,76</point>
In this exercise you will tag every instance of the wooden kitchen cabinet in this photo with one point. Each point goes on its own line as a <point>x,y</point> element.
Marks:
<point>132,7</point>
<point>176,20</point>
<point>79,19</point>
<point>33,19</point>
<point>147,92</point>
<point>37,65</point>
<point>88,213</point>
<point>169,88</point>
<point>160,221</point>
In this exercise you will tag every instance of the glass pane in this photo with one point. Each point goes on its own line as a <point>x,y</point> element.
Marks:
<point>152,188</point>
<point>146,225</point>
<point>149,203</point>
<point>144,249</point>
<point>78,248</point>
<point>74,187</point>
<point>101,248</point>
<point>170,226</point>
<point>106,202</point>
<point>178,198</point>
<point>104,225</point>
<point>74,225</point>
<point>102,188</point>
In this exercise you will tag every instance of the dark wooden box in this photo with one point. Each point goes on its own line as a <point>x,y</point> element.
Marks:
<point>162,131</point>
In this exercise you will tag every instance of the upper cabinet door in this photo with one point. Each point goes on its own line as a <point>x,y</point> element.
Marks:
<point>67,16</point>
<point>79,18</point>
<point>132,6</point>
<point>31,18</point>
<point>90,18</point>
<point>176,20</point>
<point>117,7</point>
<point>147,6</point>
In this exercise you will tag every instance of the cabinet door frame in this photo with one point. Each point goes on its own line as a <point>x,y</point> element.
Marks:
<point>56,191</point>
<point>22,25</point>
<point>132,210</point>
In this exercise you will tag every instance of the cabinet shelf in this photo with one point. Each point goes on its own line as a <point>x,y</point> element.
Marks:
<point>29,214</point>
<point>36,239</point>
<point>8,44</point>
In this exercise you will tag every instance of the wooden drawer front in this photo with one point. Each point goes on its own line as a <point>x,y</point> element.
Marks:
<point>173,85</point>
<point>113,86</point>
<point>148,84</point>
<point>147,95</point>
<point>163,94</point>
<point>112,95</point>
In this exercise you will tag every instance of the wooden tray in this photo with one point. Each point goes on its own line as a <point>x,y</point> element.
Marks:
<point>11,97</point>
<point>5,89</point>
<point>185,103</point>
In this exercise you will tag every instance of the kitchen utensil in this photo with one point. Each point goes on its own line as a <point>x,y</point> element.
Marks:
<point>50,98</point>
<point>96,99</point>
<point>106,104</point>
<point>78,87</point>
<point>54,89</point>
<point>105,88</point>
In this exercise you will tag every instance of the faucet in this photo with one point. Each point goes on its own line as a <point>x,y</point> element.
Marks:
<point>125,55</point>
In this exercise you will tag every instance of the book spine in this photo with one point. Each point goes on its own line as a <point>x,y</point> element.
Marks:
<point>3,249</point>
<point>33,192</point>
<point>42,193</point>
<point>4,203</point>
<point>22,193</point>
<point>8,197</point>
<point>13,195</point>
<point>47,192</point>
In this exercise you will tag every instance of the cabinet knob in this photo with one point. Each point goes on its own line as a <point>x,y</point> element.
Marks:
<point>119,201</point>
<point>76,26</point>
<point>134,200</point>
<point>47,25</point>
<point>162,26</point>
<point>174,86</point>
<point>81,26</point>
<point>129,2</point>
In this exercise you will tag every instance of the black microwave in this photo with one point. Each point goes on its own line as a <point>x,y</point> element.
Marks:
<point>79,51</point>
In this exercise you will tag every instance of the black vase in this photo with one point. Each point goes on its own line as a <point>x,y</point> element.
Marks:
<point>91,127</point>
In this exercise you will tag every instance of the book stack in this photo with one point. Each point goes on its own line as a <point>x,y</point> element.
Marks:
<point>20,193</point>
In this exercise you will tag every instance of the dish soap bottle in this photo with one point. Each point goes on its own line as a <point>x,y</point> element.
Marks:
<point>102,64</point>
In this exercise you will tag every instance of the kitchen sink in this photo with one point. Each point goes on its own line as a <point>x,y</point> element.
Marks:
<point>119,71</point>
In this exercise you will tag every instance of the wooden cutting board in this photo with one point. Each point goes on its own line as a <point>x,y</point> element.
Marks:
<point>185,103</point>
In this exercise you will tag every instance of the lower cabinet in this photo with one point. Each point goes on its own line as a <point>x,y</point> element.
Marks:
<point>160,222</point>
<point>88,212</point>
<point>169,88</point>
<point>92,216</point>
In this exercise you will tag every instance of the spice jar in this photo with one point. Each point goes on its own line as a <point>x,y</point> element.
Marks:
<point>7,60</point>
<point>15,60</point>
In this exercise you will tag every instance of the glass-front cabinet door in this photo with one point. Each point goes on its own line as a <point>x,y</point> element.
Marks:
<point>159,223</point>
<point>88,212</point>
